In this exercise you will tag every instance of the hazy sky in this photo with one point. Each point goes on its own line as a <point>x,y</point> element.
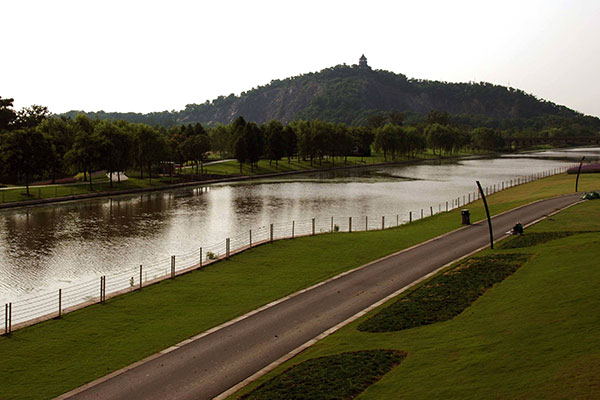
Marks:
<point>161,55</point>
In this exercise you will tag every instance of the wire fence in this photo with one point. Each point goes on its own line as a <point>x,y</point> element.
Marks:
<point>74,296</point>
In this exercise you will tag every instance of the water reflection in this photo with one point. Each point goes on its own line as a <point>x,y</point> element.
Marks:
<point>43,247</point>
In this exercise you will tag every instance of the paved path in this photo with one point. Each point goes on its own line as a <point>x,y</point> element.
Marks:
<point>213,363</point>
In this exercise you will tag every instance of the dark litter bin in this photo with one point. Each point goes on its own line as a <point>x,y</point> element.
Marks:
<point>466,217</point>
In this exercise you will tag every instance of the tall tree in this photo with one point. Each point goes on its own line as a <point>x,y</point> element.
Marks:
<point>487,139</point>
<point>290,142</point>
<point>60,135</point>
<point>240,150</point>
<point>221,139</point>
<point>388,139</point>
<point>116,145</point>
<point>86,153</point>
<point>274,141</point>
<point>196,148</point>
<point>7,114</point>
<point>439,137</point>
<point>240,144</point>
<point>363,138</point>
<point>24,154</point>
<point>151,147</point>
<point>254,142</point>
<point>30,117</point>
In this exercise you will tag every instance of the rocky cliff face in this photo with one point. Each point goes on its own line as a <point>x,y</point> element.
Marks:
<point>349,94</point>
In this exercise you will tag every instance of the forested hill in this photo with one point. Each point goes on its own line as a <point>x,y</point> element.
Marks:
<point>351,94</point>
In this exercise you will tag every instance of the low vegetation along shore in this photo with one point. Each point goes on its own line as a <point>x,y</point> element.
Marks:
<point>55,356</point>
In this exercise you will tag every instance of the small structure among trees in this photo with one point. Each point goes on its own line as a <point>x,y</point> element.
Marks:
<point>362,62</point>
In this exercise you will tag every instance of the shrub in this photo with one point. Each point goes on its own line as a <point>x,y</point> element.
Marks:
<point>447,295</point>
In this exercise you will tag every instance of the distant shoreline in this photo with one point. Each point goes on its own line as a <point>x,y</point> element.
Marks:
<point>225,179</point>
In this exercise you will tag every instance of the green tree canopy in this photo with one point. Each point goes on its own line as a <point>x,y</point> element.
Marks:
<point>24,154</point>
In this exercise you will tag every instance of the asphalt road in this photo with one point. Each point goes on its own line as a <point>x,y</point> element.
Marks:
<point>208,366</point>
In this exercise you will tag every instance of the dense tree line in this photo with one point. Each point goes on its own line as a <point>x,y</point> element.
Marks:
<point>37,145</point>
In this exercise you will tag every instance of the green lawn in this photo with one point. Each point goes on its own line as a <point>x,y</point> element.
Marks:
<point>102,185</point>
<point>534,335</point>
<point>50,358</point>
<point>267,167</point>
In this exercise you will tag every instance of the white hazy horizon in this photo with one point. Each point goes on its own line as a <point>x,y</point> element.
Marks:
<point>145,56</point>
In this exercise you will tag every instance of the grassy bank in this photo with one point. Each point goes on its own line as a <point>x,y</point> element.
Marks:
<point>52,357</point>
<point>535,335</point>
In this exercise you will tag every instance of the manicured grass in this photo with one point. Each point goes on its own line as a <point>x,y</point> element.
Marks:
<point>266,167</point>
<point>46,192</point>
<point>535,238</point>
<point>534,335</point>
<point>52,357</point>
<point>446,295</point>
<point>339,376</point>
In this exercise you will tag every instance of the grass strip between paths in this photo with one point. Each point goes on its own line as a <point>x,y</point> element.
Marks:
<point>446,295</point>
<point>50,358</point>
<point>339,376</point>
<point>535,238</point>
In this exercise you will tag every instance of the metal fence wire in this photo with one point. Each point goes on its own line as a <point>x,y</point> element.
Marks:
<point>48,305</point>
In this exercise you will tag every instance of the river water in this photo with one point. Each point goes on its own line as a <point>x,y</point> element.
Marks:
<point>48,247</point>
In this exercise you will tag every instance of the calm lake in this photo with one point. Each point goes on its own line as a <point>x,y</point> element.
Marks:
<point>47,247</point>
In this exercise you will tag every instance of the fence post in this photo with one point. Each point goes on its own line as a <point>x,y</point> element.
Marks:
<point>8,319</point>
<point>293,226</point>
<point>383,222</point>
<point>200,257</point>
<point>421,213</point>
<point>349,224</point>
<point>366,223</point>
<point>227,242</point>
<point>469,197</point>
<point>59,303</point>
<point>397,220</point>
<point>172,267</point>
<point>410,216</point>
<point>431,210</point>
<point>141,280</point>
<point>446,206</point>
<point>331,225</point>
<point>464,200</point>
<point>250,233</point>
<point>313,226</point>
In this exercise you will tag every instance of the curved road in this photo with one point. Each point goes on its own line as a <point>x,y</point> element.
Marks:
<point>206,366</point>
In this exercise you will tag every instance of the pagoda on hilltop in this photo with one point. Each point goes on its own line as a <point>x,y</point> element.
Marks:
<point>362,62</point>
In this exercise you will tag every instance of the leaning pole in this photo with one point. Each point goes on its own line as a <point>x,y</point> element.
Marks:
<point>487,211</point>
<point>578,172</point>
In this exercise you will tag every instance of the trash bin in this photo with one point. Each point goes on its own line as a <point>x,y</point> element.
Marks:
<point>466,217</point>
